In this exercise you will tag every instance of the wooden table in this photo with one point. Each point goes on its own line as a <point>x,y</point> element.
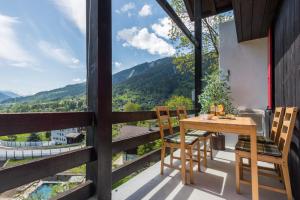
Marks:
<point>241,126</point>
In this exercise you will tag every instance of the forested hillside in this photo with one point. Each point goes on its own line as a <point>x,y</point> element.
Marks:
<point>148,84</point>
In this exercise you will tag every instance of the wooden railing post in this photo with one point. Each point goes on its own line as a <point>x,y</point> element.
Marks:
<point>198,53</point>
<point>99,83</point>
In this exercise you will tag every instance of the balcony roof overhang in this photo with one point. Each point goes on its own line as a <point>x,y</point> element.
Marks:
<point>253,18</point>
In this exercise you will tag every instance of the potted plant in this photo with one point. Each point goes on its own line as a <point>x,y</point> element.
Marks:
<point>215,93</point>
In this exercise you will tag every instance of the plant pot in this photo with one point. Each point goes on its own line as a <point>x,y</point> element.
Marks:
<point>218,142</point>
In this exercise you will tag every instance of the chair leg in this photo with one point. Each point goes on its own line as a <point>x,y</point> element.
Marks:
<point>171,156</point>
<point>198,156</point>
<point>162,158</point>
<point>205,153</point>
<point>241,174</point>
<point>237,172</point>
<point>280,173</point>
<point>287,182</point>
<point>211,149</point>
<point>191,165</point>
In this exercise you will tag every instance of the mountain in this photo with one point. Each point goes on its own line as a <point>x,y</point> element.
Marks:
<point>147,84</point>
<point>56,94</point>
<point>4,95</point>
<point>132,72</point>
<point>151,84</point>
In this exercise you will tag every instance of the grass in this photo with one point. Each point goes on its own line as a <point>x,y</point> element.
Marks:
<point>24,137</point>
<point>12,163</point>
<point>78,170</point>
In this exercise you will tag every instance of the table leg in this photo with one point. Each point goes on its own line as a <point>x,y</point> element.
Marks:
<point>182,152</point>
<point>254,172</point>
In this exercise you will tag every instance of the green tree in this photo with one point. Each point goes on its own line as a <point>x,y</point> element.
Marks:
<point>184,58</point>
<point>34,137</point>
<point>176,101</point>
<point>12,137</point>
<point>217,91</point>
<point>131,107</point>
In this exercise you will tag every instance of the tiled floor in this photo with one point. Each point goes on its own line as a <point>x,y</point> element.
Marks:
<point>216,182</point>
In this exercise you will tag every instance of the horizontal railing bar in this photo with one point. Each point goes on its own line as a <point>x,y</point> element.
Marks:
<point>132,142</point>
<point>35,122</point>
<point>81,192</point>
<point>135,165</point>
<point>13,177</point>
<point>122,117</point>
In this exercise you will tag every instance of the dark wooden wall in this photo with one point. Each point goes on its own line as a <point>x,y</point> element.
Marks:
<point>286,40</point>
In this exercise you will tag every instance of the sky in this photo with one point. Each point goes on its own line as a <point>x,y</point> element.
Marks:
<point>43,42</point>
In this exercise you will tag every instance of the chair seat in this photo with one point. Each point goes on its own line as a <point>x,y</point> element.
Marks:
<point>259,139</point>
<point>198,133</point>
<point>175,138</point>
<point>264,149</point>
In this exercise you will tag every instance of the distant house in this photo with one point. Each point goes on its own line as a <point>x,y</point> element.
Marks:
<point>59,136</point>
<point>129,131</point>
<point>74,137</point>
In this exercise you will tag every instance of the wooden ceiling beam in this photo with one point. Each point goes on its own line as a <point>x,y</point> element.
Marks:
<point>209,8</point>
<point>253,17</point>
<point>172,14</point>
<point>213,7</point>
<point>189,9</point>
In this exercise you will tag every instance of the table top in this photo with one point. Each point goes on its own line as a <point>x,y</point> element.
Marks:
<point>245,121</point>
<point>239,125</point>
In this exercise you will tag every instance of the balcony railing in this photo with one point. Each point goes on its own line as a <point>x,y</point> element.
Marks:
<point>16,176</point>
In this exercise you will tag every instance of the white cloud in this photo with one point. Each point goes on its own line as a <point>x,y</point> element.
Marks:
<point>11,51</point>
<point>145,11</point>
<point>78,80</point>
<point>75,10</point>
<point>59,54</point>
<point>163,28</point>
<point>126,8</point>
<point>117,66</point>
<point>142,39</point>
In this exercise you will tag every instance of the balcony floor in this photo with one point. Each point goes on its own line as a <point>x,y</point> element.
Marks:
<point>216,182</point>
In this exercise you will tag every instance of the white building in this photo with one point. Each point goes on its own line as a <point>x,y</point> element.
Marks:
<point>59,136</point>
<point>246,64</point>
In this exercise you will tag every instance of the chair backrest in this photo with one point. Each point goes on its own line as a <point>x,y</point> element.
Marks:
<point>277,124</point>
<point>164,120</point>
<point>181,112</point>
<point>287,130</point>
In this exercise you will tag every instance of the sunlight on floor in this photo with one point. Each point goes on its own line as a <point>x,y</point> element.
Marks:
<point>214,183</point>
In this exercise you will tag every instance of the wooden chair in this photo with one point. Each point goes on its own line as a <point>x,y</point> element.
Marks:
<point>203,136</point>
<point>275,129</point>
<point>172,141</point>
<point>276,154</point>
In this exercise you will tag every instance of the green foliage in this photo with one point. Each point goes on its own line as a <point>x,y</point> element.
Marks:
<point>62,105</point>
<point>131,107</point>
<point>58,188</point>
<point>176,101</point>
<point>146,148</point>
<point>12,138</point>
<point>216,91</point>
<point>80,170</point>
<point>116,129</point>
<point>68,91</point>
<point>24,137</point>
<point>33,137</point>
<point>184,59</point>
<point>154,86</point>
